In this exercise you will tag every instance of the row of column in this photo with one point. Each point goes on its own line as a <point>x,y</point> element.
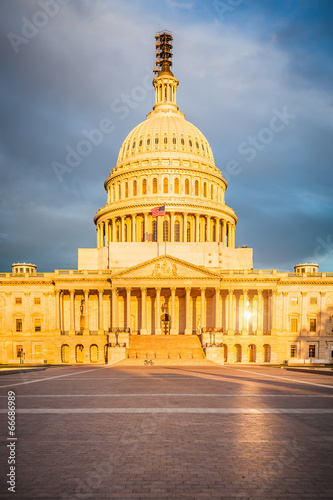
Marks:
<point>113,230</point>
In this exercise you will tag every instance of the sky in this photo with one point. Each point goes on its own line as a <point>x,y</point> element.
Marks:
<point>256,77</point>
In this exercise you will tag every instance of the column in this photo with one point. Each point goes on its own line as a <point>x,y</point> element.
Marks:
<point>133,227</point>
<point>233,234</point>
<point>145,235</point>
<point>197,228</point>
<point>203,309</point>
<point>98,236</point>
<point>107,233</point>
<point>217,308</point>
<point>86,311</point>
<point>229,234</point>
<point>114,232</point>
<point>122,235</point>
<point>114,299</point>
<point>57,310</point>
<point>143,330</point>
<point>185,227</point>
<point>173,330</point>
<point>259,313</point>
<point>224,233</point>
<point>128,307</point>
<point>158,329</point>
<point>320,328</point>
<point>172,228</point>
<point>284,311</point>
<point>231,313</point>
<point>102,234</point>
<point>72,313</point>
<point>100,312</point>
<point>245,330</point>
<point>188,330</point>
<point>303,308</point>
<point>274,296</point>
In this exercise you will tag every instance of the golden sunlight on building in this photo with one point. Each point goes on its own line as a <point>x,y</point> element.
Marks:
<point>165,281</point>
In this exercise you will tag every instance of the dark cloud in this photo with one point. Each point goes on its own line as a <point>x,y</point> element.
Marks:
<point>233,73</point>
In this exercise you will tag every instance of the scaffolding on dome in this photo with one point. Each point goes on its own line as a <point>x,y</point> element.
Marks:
<point>163,52</point>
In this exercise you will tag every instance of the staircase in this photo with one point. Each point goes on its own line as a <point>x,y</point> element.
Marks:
<point>164,350</point>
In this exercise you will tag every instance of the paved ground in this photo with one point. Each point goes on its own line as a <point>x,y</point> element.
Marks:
<point>169,433</point>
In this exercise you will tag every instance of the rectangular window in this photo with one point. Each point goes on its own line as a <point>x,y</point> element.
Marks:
<point>19,324</point>
<point>293,325</point>
<point>294,300</point>
<point>38,351</point>
<point>37,301</point>
<point>293,351</point>
<point>312,351</point>
<point>313,300</point>
<point>19,351</point>
<point>18,300</point>
<point>38,325</point>
<point>313,324</point>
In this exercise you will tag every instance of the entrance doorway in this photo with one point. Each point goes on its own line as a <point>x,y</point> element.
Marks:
<point>165,321</point>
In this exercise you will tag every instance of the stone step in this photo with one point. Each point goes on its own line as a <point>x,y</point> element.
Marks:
<point>167,362</point>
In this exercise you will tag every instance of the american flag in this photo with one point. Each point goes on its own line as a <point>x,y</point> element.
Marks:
<point>155,212</point>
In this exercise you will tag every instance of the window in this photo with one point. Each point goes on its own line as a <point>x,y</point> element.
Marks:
<point>38,325</point>
<point>19,323</point>
<point>196,187</point>
<point>177,231</point>
<point>212,192</point>
<point>154,186</point>
<point>18,300</point>
<point>37,301</point>
<point>38,351</point>
<point>65,353</point>
<point>174,141</point>
<point>156,140</point>
<point>165,230</point>
<point>190,143</point>
<point>148,142</point>
<point>144,186</point>
<point>294,325</point>
<point>119,191</point>
<point>267,353</point>
<point>133,145</point>
<point>19,351</point>
<point>197,145</point>
<point>205,190</point>
<point>143,231</point>
<point>182,142</point>
<point>94,353</point>
<point>313,300</point>
<point>118,232</point>
<point>165,140</point>
<point>140,143</point>
<point>126,189</point>
<point>165,186</point>
<point>125,231</point>
<point>313,324</point>
<point>155,230</point>
<point>187,186</point>
<point>177,186</point>
<point>135,188</point>
<point>238,353</point>
<point>293,351</point>
<point>294,300</point>
<point>312,351</point>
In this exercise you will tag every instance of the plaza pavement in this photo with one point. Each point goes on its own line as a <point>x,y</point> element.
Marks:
<point>169,433</point>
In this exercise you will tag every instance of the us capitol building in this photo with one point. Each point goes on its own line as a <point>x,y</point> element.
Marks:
<point>166,282</point>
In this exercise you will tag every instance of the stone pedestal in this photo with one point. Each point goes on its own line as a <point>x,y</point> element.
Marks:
<point>116,354</point>
<point>215,354</point>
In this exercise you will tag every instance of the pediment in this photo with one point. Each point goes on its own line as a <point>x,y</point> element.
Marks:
<point>165,267</point>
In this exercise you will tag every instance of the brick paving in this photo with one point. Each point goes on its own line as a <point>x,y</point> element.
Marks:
<point>170,433</point>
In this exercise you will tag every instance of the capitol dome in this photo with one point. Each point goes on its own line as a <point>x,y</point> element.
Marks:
<point>165,161</point>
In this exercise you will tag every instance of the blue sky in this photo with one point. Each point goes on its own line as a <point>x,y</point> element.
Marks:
<point>240,64</point>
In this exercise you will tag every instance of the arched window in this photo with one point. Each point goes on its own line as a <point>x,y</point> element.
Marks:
<point>144,186</point>
<point>188,232</point>
<point>174,141</point>
<point>154,230</point>
<point>196,188</point>
<point>212,192</point>
<point>65,353</point>
<point>165,140</point>
<point>156,140</point>
<point>190,143</point>
<point>119,191</point>
<point>238,353</point>
<point>154,185</point>
<point>267,353</point>
<point>187,186</point>
<point>135,188</point>
<point>126,189</point>
<point>79,353</point>
<point>182,142</point>
<point>205,189</point>
<point>165,230</point>
<point>165,185</point>
<point>148,141</point>
<point>177,231</point>
<point>176,185</point>
<point>93,353</point>
<point>252,353</point>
